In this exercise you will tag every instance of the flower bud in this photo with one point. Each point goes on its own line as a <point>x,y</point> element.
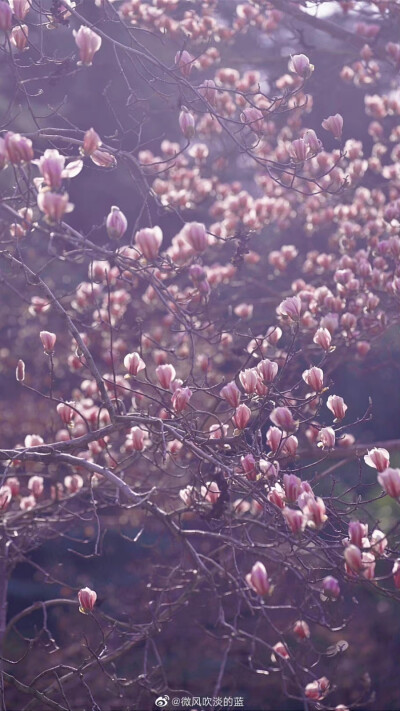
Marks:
<point>116,223</point>
<point>48,341</point>
<point>180,399</point>
<point>283,418</point>
<point>301,629</point>
<point>231,393</point>
<point>35,484</point>
<point>334,124</point>
<point>187,124</point>
<point>378,458</point>
<point>148,241</point>
<point>165,374</point>
<point>20,371</point>
<point>91,142</point>
<point>258,580</point>
<point>5,16</point>
<point>314,377</point>
<point>87,599</point>
<point>184,61</point>
<point>88,43</point>
<point>241,417</point>
<point>323,338</point>
<point>337,406</point>
<point>196,235</point>
<point>331,587</point>
<point>390,482</point>
<point>134,363</point>
<point>353,558</point>
<point>300,65</point>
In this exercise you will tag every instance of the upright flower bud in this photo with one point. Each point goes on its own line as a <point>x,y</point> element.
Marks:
<point>5,16</point>
<point>337,406</point>
<point>241,417</point>
<point>180,399</point>
<point>323,338</point>
<point>196,235</point>
<point>283,418</point>
<point>51,166</point>
<point>187,123</point>
<point>66,413</point>
<point>208,91</point>
<point>165,374</point>
<point>301,630</point>
<point>87,600</point>
<point>36,486</point>
<point>19,149</point>
<point>353,558</point>
<point>88,43</point>
<point>116,223</point>
<point>20,9</point>
<point>91,142</point>
<point>294,519</point>
<point>268,370</point>
<point>258,580</point>
<point>231,393</point>
<point>184,61</point>
<point>149,241</point>
<point>48,341</point>
<point>254,118</point>
<point>20,371</point>
<point>331,587</point>
<point>314,377</point>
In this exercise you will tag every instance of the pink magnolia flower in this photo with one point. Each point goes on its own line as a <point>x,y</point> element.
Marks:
<point>88,43</point>
<point>353,558</point>
<point>87,600</point>
<point>35,484</point>
<point>337,406</point>
<point>116,223</point>
<point>276,496</point>
<point>180,399</point>
<point>134,363</point>
<point>298,150</point>
<point>196,235</point>
<point>66,413</point>
<point>231,393</point>
<point>91,142</point>
<point>14,485</point>
<point>210,492</point>
<point>316,690</point>
<point>290,308</point>
<point>184,61</point>
<point>19,37</point>
<point>54,205</point>
<point>73,483</point>
<point>294,520</point>
<point>165,374</point>
<point>396,573</point>
<point>314,377</point>
<point>334,124</point>
<point>331,587</point>
<point>5,16</point>
<point>274,438</point>
<point>323,338</point>
<point>282,417</point>
<point>136,440</point>
<point>378,542</point>
<point>378,458</point>
<point>301,629</point>
<point>254,118</point>
<point>248,464</point>
<point>281,650</point>
<point>249,379</point>
<point>48,341</point>
<point>149,241</point>
<point>5,497</point>
<point>241,417</point>
<point>188,495</point>
<point>315,512</point>
<point>268,370</point>
<point>390,482</point>
<point>326,438</point>
<point>300,65</point>
<point>357,532</point>
<point>208,91</point>
<point>19,149</point>
<point>20,9</point>
<point>258,579</point>
<point>187,123</point>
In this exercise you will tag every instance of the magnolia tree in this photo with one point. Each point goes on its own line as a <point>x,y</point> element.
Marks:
<point>182,282</point>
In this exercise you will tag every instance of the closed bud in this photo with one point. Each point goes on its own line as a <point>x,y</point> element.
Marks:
<point>180,399</point>
<point>20,371</point>
<point>165,374</point>
<point>337,406</point>
<point>148,241</point>
<point>5,16</point>
<point>258,580</point>
<point>48,341</point>
<point>134,363</point>
<point>390,482</point>
<point>196,235</point>
<point>242,416</point>
<point>184,61</point>
<point>301,629</point>
<point>331,587</point>
<point>87,600</point>
<point>187,124</point>
<point>334,124</point>
<point>314,377</point>
<point>88,43</point>
<point>116,223</point>
<point>91,142</point>
<point>231,393</point>
<point>378,458</point>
